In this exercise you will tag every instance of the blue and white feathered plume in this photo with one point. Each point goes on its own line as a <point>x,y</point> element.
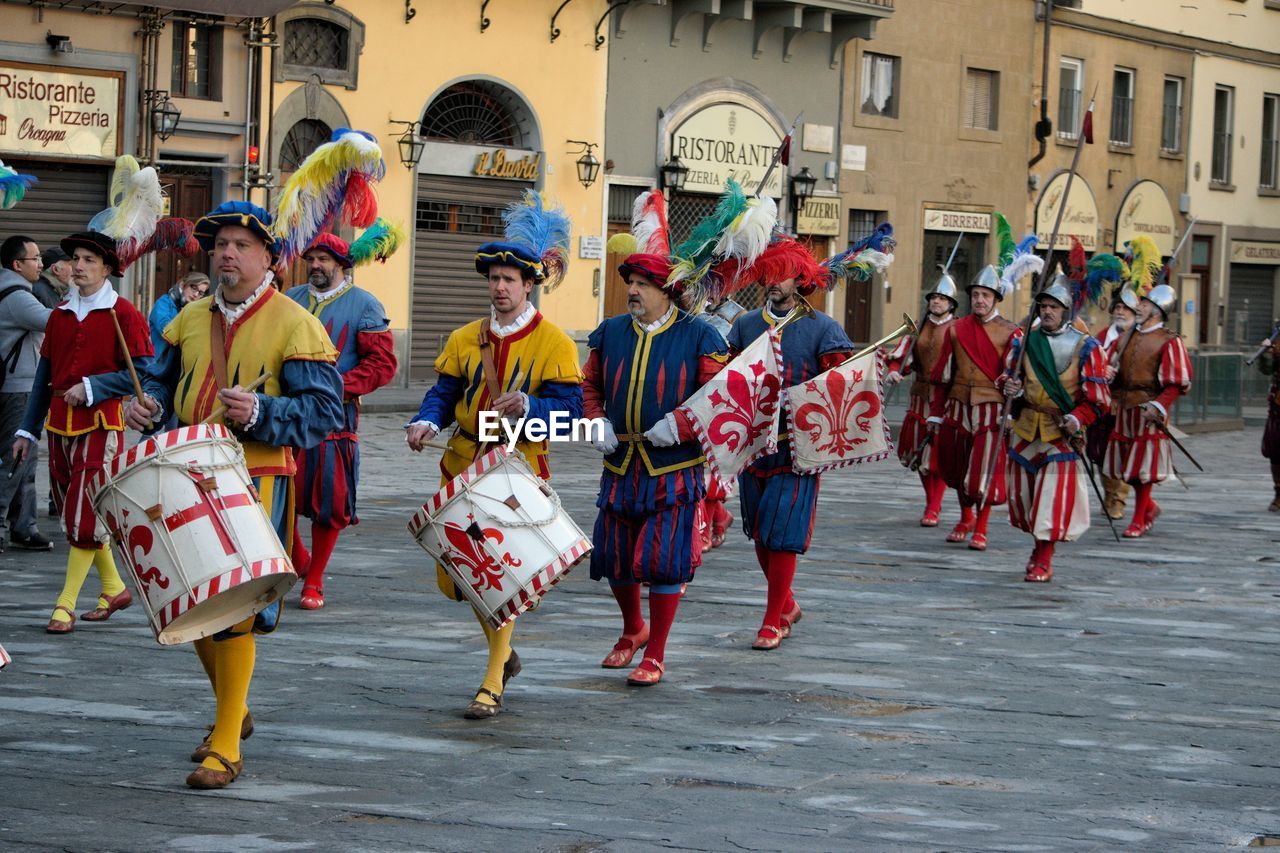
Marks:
<point>13,186</point>
<point>870,255</point>
<point>544,229</point>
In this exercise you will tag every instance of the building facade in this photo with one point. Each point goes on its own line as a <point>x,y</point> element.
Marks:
<point>712,88</point>
<point>500,106</point>
<point>1219,110</point>
<point>933,140</point>
<point>85,82</point>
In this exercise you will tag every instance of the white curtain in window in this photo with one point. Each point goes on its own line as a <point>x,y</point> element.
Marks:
<point>881,81</point>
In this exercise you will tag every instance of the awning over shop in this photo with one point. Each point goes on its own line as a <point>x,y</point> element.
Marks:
<point>1146,210</point>
<point>1079,220</point>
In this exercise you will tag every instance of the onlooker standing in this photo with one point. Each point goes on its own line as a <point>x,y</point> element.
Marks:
<point>54,282</point>
<point>22,322</point>
<point>192,286</point>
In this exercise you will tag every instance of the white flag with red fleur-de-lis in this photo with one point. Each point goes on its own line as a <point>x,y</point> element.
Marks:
<point>837,417</point>
<point>735,415</point>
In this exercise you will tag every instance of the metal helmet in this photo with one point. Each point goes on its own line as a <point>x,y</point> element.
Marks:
<point>1059,290</point>
<point>1165,298</point>
<point>1124,296</point>
<point>946,287</point>
<point>990,279</point>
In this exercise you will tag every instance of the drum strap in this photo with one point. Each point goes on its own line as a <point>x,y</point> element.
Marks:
<point>486,362</point>
<point>218,348</point>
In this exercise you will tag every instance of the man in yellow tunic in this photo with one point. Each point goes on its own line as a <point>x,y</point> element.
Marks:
<point>217,345</point>
<point>515,363</point>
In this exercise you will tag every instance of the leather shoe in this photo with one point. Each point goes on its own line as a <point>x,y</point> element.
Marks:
<point>34,542</point>
<point>57,627</point>
<point>246,731</point>
<point>960,532</point>
<point>768,638</point>
<point>478,710</point>
<point>119,601</point>
<point>625,649</point>
<point>978,542</point>
<point>643,676</point>
<point>211,780</point>
<point>312,598</point>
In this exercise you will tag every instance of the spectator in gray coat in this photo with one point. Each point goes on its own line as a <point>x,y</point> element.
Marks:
<point>22,323</point>
<point>54,282</point>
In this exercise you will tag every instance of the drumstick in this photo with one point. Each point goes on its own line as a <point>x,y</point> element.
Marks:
<point>221,408</point>
<point>128,359</point>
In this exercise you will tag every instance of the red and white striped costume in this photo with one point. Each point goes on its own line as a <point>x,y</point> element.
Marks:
<point>1047,495</point>
<point>1154,368</point>
<point>918,355</point>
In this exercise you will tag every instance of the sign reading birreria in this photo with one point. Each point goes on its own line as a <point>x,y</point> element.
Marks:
<point>727,141</point>
<point>64,113</point>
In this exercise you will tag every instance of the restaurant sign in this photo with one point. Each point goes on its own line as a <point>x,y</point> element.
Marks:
<point>1079,220</point>
<point>726,141</point>
<point>1145,210</point>
<point>57,112</point>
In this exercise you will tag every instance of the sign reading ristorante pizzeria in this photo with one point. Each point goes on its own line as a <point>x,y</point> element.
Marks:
<point>51,111</point>
<point>726,141</point>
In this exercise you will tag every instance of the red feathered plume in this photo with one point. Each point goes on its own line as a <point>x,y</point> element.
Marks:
<point>785,258</point>
<point>172,234</point>
<point>1077,269</point>
<point>360,207</point>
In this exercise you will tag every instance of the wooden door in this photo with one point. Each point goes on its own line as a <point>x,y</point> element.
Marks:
<point>190,197</point>
<point>615,289</point>
<point>1201,260</point>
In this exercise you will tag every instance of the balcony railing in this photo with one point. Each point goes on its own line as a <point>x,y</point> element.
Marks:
<point>1122,120</point>
<point>1068,113</point>
<point>1220,173</point>
<point>1268,179</point>
<point>1171,129</point>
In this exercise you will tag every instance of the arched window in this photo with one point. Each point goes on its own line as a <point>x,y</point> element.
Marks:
<point>480,112</point>
<point>304,137</point>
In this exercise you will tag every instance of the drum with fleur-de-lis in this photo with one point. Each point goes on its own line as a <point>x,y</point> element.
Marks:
<point>500,532</point>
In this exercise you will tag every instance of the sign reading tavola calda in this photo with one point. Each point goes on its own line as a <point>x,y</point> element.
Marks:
<point>53,111</point>
<point>726,141</point>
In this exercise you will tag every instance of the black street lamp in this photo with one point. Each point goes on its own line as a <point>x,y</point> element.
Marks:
<point>802,186</point>
<point>411,144</point>
<point>164,115</point>
<point>674,174</point>
<point>588,165</point>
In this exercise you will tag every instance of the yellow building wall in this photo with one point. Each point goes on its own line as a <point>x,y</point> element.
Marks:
<point>1245,23</point>
<point>404,65</point>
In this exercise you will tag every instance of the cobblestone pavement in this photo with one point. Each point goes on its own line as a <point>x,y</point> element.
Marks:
<point>928,700</point>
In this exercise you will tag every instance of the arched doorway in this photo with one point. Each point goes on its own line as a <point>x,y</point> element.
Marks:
<point>470,127</point>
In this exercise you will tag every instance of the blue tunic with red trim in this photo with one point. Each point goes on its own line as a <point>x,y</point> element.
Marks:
<point>778,505</point>
<point>648,494</point>
<point>359,329</point>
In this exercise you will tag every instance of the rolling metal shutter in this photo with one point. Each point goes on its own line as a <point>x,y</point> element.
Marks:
<point>1251,303</point>
<point>66,198</point>
<point>454,216</point>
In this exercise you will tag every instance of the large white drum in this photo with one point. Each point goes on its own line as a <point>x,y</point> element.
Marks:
<point>187,522</point>
<point>500,532</point>
<point>5,660</point>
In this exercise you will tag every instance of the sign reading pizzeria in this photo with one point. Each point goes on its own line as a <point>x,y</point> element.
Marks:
<point>1079,220</point>
<point>726,141</point>
<point>820,217</point>
<point>64,113</point>
<point>1146,210</point>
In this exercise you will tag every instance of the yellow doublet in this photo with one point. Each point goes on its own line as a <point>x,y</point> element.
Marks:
<point>1040,414</point>
<point>540,352</point>
<point>275,329</point>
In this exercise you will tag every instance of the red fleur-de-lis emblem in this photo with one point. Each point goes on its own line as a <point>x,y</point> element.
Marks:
<point>137,545</point>
<point>744,407</point>
<point>831,418</point>
<point>468,553</point>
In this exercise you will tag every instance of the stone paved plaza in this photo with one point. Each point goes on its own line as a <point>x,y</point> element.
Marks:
<point>929,699</point>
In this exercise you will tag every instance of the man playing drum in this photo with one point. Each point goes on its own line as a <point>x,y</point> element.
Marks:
<point>515,363</point>
<point>81,353</point>
<point>216,345</point>
<point>641,367</point>
<point>326,480</point>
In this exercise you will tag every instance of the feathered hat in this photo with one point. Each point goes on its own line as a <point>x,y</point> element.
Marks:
<point>1014,260</point>
<point>870,255</point>
<point>134,218</point>
<point>724,245</point>
<point>536,241</point>
<point>377,243</point>
<point>648,246</point>
<point>334,184</point>
<point>1129,278</point>
<point>242,213</point>
<point>13,186</point>
<point>784,258</point>
<point>100,244</point>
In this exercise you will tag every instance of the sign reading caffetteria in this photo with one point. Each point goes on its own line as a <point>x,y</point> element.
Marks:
<point>820,217</point>
<point>1253,252</point>
<point>936,219</point>
<point>1146,210</point>
<point>726,141</point>
<point>51,111</point>
<point>1079,220</point>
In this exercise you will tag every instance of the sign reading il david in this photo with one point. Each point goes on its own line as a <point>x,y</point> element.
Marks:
<point>52,111</point>
<point>726,141</point>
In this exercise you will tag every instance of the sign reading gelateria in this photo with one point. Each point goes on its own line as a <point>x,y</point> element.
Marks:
<point>1079,220</point>
<point>1145,210</point>
<point>52,111</point>
<point>1253,252</point>
<point>726,141</point>
<point>820,217</point>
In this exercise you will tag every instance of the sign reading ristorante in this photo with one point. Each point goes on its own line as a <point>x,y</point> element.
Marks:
<point>726,141</point>
<point>52,111</point>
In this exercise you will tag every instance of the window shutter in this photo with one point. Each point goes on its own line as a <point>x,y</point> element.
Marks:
<point>979,98</point>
